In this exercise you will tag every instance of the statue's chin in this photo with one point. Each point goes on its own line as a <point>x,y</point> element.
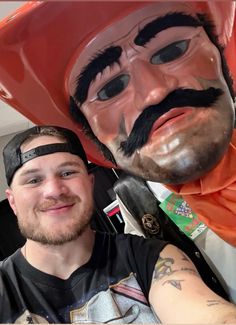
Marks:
<point>179,171</point>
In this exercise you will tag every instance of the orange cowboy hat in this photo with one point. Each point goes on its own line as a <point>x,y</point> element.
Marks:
<point>38,43</point>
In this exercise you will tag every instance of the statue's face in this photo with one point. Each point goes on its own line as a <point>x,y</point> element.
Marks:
<point>137,103</point>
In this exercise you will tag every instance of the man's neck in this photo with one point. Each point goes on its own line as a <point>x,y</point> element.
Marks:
<point>63,260</point>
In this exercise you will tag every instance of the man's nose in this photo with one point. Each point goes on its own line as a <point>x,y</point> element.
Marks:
<point>54,188</point>
<point>152,83</point>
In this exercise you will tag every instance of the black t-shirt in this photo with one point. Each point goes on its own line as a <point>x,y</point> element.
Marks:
<point>113,285</point>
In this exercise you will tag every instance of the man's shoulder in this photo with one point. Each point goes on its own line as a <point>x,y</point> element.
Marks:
<point>7,264</point>
<point>6,273</point>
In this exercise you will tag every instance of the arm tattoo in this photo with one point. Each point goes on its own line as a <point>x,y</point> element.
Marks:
<point>214,302</point>
<point>162,268</point>
<point>174,283</point>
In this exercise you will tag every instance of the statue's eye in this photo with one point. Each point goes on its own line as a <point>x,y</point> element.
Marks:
<point>113,87</point>
<point>170,52</point>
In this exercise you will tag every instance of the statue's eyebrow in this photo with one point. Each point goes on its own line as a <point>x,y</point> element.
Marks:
<point>97,64</point>
<point>175,19</point>
<point>112,54</point>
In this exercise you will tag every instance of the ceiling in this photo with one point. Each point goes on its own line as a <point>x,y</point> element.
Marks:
<point>11,120</point>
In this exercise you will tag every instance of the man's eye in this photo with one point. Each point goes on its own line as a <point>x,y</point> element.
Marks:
<point>67,173</point>
<point>34,180</point>
<point>113,87</point>
<point>170,52</point>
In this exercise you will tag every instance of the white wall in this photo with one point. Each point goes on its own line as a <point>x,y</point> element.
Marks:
<point>10,120</point>
<point>7,7</point>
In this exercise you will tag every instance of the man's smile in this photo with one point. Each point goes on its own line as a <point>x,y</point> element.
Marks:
<point>58,207</point>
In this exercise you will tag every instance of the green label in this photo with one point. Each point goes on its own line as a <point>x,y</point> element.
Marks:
<point>182,215</point>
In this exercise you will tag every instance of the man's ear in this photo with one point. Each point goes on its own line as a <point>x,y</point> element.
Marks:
<point>11,200</point>
<point>92,179</point>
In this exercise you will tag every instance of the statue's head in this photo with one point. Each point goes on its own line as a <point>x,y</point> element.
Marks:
<point>150,86</point>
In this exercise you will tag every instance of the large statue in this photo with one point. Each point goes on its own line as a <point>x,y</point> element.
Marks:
<point>146,82</point>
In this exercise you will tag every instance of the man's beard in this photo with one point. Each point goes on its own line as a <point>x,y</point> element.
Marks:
<point>73,229</point>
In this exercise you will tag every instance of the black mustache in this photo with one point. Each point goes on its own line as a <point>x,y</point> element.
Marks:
<point>178,98</point>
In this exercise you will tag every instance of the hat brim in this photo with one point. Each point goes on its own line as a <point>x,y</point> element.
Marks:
<point>37,43</point>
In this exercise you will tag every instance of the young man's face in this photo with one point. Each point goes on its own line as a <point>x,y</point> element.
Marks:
<point>51,195</point>
<point>137,103</point>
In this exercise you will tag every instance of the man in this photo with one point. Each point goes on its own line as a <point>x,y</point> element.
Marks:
<point>68,273</point>
<point>148,82</point>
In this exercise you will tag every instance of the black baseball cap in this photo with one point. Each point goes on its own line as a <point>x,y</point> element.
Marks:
<point>13,157</point>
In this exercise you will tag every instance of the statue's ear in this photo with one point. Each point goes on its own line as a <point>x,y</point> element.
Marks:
<point>222,14</point>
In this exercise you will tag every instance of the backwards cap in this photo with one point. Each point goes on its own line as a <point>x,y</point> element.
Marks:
<point>40,42</point>
<point>13,157</point>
